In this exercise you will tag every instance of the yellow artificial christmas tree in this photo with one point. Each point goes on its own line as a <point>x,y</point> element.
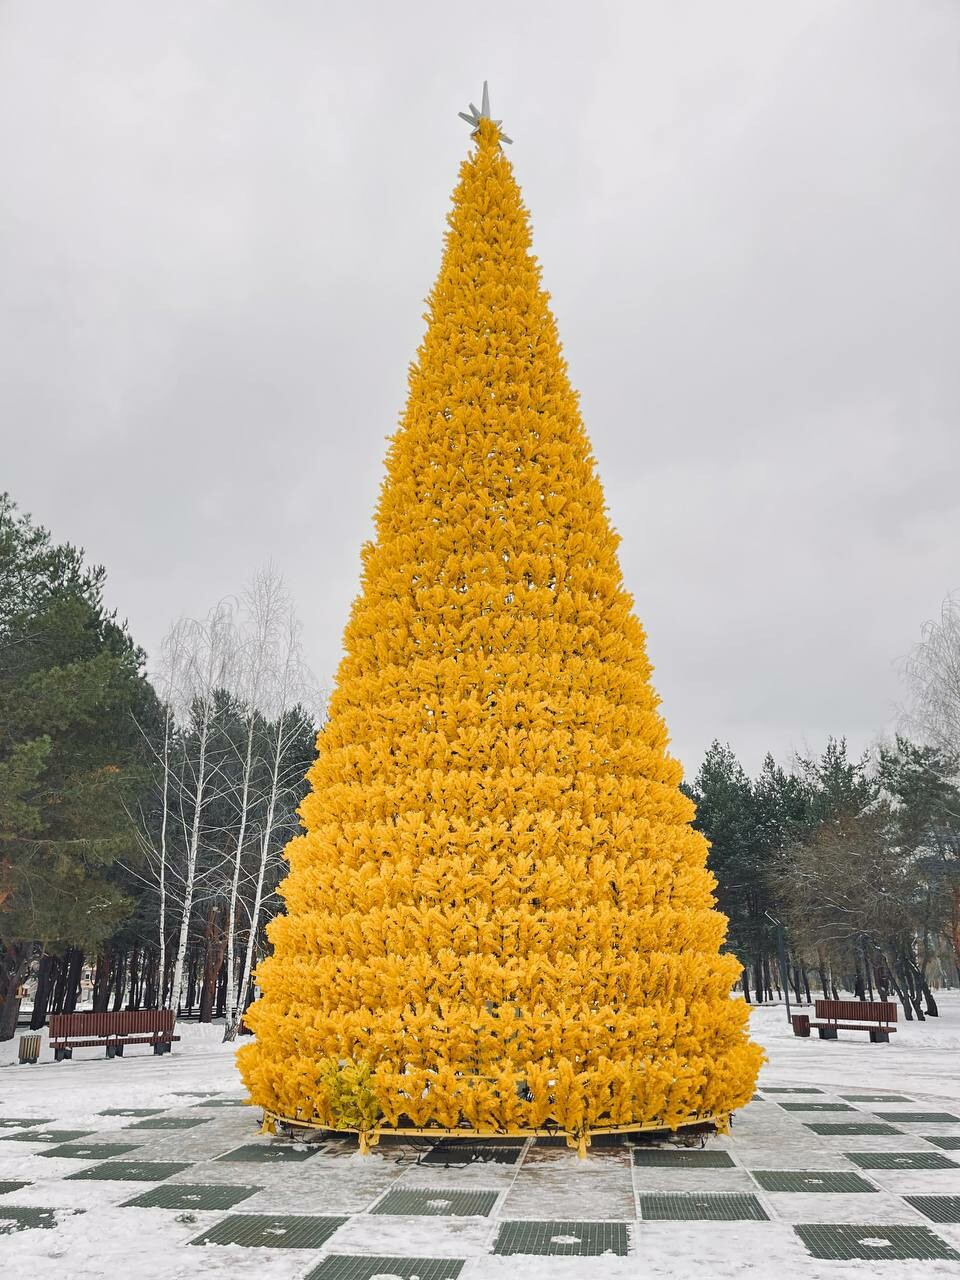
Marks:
<point>499,918</point>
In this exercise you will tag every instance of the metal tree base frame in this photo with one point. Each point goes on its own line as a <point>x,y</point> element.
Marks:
<point>696,1126</point>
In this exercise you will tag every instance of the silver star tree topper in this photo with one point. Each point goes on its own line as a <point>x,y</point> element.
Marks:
<point>474,117</point>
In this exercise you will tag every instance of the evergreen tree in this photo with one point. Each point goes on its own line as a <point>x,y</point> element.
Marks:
<point>70,681</point>
<point>499,915</point>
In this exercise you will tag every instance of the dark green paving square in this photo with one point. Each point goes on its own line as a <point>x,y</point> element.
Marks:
<point>562,1239</point>
<point>263,1153</point>
<point>947,1142</point>
<point>14,1218</point>
<point>937,1208</point>
<point>901,1160</point>
<point>812,1180</point>
<point>219,1102</point>
<point>865,1130</point>
<point>132,1111</point>
<point>694,1207</point>
<point>170,1122</point>
<point>919,1117</point>
<point>7,1187</point>
<point>433,1202</point>
<point>47,1135</point>
<point>90,1151</point>
<point>341,1266</point>
<point>682,1158</point>
<point>23,1122</point>
<point>871,1241</point>
<point>196,1093</point>
<point>130,1171</point>
<point>282,1231</point>
<point>472,1153</point>
<point>816,1106</point>
<point>191,1195</point>
<point>875,1097</point>
<point>769,1088</point>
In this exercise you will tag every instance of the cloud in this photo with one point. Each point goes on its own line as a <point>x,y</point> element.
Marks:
<point>220,222</point>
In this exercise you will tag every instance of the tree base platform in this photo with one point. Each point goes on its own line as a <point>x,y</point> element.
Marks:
<point>694,1128</point>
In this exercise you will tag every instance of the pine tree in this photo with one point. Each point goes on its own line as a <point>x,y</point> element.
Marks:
<point>71,683</point>
<point>499,915</point>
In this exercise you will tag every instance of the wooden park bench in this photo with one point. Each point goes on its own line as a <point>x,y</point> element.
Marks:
<point>69,1031</point>
<point>875,1016</point>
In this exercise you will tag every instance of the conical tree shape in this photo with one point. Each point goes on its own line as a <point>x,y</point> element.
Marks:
<point>499,915</point>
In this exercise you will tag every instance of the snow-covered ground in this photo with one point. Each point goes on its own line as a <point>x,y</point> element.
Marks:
<point>922,1064</point>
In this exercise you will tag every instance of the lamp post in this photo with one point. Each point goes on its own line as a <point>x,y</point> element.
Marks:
<point>782,950</point>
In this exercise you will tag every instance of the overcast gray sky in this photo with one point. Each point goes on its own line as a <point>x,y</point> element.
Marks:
<point>219,221</point>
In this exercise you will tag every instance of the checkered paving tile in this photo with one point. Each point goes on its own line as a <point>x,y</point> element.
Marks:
<point>441,1202</point>
<point>264,1153</point>
<point>90,1151</point>
<point>170,1122</point>
<point>808,1180</point>
<point>769,1088</point>
<point>129,1171</point>
<point>261,1231</point>
<point>26,1218</point>
<point>850,1242</point>
<point>341,1266</point>
<point>946,1142</point>
<point>681,1158</point>
<point>12,1122</point>
<point>7,1188</point>
<point>132,1111</point>
<point>472,1153</point>
<point>853,1130</point>
<point>219,1102</point>
<point>52,1136</point>
<point>562,1239</point>
<point>874,1097</point>
<point>191,1195</point>
<point>816,1106</point>
<point>901,1160</point>
<point>937,1208</point>
<point>918,1117</point>
<point>695,1207</point>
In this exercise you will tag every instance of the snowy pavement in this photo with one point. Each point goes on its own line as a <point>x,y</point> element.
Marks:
<point>81,1140</point>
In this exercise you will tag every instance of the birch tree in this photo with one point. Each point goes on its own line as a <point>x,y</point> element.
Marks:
<point>205,659</point>
<point>287,706</point>
<point>933,679</point>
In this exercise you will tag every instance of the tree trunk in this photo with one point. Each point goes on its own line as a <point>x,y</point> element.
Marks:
<point>931,1005</point>
<point>59,984</point>
<point>151,995</point>
<point>822,973</point>
<point>71,989</point>
<point>42,997</point>
<point>214,943</point>
<point>859,989</point>
<point>101,980</point>
<point>134,978</point>
<point>14,971</point>
<point>121,986</point>
<point>222,993</point>
<point>745,979</point>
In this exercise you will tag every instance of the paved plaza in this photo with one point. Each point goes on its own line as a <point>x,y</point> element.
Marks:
<point>813,1180</point>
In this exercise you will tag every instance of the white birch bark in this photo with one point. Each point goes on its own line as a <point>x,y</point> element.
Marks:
<point>207,665</point>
